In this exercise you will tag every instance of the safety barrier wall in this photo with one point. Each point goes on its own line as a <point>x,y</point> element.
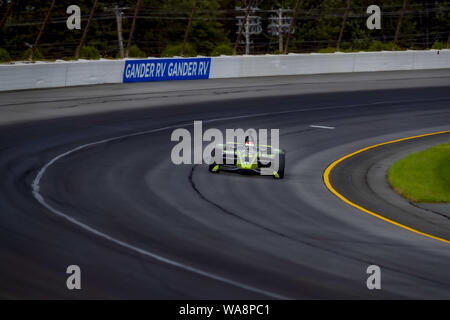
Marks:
<point>273,65</point>
<point>74,73</point>
<point>60,74</point>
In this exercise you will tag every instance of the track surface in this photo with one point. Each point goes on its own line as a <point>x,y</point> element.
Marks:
<point>362,179</point>
<point>233,236</point>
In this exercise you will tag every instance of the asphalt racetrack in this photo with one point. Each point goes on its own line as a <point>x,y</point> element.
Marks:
<point>87,179</point>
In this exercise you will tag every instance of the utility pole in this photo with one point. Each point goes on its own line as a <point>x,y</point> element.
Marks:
<point>7,13</point>
<point>291,26</point>
<point>448,40</point>
<point>86,29</point>
<point>247,38</point>
<point>38,39</point>
<point>280,33</point>
<point>398,25</point>
<point>133,25</point>
<point>118,13</point>
<point>344,20</point>
<point>427,28</point>
<point>251,25</point>
<point>279,25</point>
<point>247,12</point>
<point>188,28</point>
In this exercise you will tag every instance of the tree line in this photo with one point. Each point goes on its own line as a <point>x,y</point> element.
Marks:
<point>160,27</point>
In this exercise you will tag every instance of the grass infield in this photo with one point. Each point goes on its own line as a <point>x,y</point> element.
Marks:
<point>423,176</point>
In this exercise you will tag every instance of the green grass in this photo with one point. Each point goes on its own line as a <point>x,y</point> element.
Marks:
<point>423,176</point>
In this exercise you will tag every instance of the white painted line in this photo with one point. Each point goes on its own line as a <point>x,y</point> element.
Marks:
<point>322,127</point>
<point>40,198</point>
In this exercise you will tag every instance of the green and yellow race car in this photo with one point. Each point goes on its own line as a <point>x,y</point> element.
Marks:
<point>249,158</point>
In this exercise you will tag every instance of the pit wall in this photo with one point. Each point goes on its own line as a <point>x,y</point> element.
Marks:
<point>74,73</point>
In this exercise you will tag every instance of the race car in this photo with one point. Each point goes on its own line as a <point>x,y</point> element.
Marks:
<point>249,158</point>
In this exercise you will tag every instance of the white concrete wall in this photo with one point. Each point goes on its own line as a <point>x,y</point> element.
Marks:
<point>59,74</point>
<point>432,60</point>
<point>105,71</point>
<point>314,63</point>
<point>62,74</point>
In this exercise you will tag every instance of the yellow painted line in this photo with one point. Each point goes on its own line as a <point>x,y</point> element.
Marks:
<point>326,179</point>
